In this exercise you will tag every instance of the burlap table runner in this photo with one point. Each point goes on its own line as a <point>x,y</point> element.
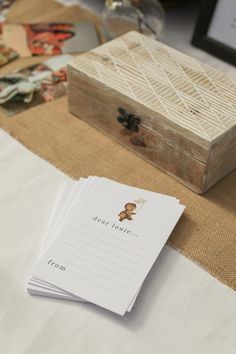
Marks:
<point>206,233</point>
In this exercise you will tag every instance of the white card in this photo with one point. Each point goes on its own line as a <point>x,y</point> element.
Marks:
<point>68,193</point>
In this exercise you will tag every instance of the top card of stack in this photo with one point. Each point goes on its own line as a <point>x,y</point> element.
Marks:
<point>107,242</point>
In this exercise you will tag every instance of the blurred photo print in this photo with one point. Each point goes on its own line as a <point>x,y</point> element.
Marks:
<point>34,85</point>
<point>48,38</point>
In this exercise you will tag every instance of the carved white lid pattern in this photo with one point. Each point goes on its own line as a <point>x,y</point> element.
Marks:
<point>184,90</point>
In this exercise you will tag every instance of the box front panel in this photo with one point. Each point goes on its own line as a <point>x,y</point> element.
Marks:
<point>172,160</point>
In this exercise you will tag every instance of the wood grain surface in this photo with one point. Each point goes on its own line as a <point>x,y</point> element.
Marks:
<point>183,104</point>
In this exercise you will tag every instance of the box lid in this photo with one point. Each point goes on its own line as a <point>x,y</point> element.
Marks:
<point>194,98</point>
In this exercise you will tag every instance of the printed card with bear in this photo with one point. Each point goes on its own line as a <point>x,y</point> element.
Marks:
<point>112,240</point>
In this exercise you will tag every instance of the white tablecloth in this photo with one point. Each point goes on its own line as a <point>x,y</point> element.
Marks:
<point>181,309</point>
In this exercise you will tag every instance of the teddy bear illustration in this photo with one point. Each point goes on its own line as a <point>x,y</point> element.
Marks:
<point>128,212</point>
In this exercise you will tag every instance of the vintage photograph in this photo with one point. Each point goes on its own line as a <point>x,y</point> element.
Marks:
<point>48,38</point>
<point>33,85</point>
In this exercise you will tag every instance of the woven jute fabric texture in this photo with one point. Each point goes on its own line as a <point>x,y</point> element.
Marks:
<point>206,232</point>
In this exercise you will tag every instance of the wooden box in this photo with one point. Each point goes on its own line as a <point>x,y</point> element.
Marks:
<point>173,110</point>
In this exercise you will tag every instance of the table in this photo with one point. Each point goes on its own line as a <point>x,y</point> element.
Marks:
<point>181,309</point>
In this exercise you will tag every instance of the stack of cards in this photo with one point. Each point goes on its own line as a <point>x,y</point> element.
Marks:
<point>102,240</point>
